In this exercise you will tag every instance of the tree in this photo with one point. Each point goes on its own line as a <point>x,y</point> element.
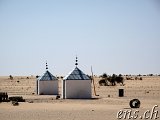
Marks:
<point>120,75</point>
<point>120,80</point>
<point>104,75</point>
<point>102,82</point>
<point>111,80</point>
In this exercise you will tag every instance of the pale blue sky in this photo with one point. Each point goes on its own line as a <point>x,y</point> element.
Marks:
<point>114,36</point>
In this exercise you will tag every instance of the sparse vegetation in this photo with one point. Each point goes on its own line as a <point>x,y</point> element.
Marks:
<point>150,74</point>
<point>11,77</point>
<point>138,78</point>
<point>111,80</point>
<point>103,83</point>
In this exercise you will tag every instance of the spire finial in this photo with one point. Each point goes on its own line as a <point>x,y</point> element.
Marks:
<point>46,65</point>
<point>76,61</point>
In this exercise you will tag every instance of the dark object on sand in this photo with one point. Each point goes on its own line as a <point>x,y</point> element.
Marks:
<point>17,98</point>
<point>121,92</point>
<point>135,103</point>
<point>15,103</point>
<point>3,97</point>
<point>58,96</point>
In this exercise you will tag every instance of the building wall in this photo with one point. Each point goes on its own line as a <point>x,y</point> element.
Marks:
<point>48,87</point>
<point>77,89</point>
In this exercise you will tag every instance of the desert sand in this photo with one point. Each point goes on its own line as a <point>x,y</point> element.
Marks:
<point>102,107</point>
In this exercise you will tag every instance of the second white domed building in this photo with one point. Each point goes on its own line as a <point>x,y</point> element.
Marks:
<point>76,85</point>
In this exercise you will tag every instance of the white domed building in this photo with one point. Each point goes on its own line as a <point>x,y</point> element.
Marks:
<point>76,85</point>
<point>47,84</point>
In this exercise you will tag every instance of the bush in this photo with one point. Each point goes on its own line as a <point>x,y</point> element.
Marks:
<point>119,80</point>
<point>11,77</point>
<point>104,75</point>
<point>111,79</point>
<point>102,82</point>
<point>150,75</point>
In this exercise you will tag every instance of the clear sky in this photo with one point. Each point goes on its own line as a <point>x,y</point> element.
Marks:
<point>114,36</point>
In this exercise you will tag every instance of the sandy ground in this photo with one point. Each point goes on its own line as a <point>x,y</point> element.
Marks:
<point>104,107</point>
